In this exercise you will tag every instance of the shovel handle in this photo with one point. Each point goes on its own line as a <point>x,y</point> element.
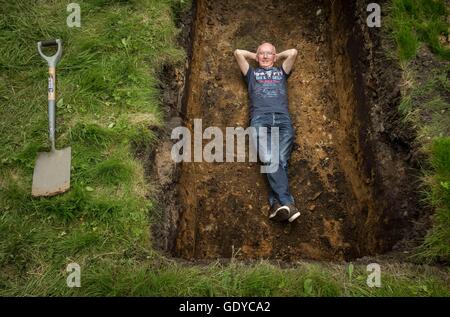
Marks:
<point>52,61</point>
<point>49,43</point>
<point>51,106</point>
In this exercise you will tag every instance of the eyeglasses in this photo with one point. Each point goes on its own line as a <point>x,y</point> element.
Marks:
<point>266,53</point>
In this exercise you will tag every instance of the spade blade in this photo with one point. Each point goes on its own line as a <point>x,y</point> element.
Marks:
<point>52,173</point>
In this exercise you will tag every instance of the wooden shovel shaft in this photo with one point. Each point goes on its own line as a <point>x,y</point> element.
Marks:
<point>51,105</point>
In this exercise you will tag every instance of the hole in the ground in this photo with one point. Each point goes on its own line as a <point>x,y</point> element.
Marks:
<point>352,187</point>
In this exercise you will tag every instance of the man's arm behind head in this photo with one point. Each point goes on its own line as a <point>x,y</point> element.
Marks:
<point>291,56</point>
<point>241,58</point>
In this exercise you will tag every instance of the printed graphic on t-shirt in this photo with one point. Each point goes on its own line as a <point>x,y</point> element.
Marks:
<point>268,84</point>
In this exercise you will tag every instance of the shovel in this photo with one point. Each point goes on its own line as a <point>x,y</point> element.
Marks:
<point>52,171</point>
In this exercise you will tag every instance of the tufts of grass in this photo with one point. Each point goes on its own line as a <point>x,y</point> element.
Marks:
<point>113,172</point>
<point>440,159</point>
<point>436,246</point>
<point>92,135</point>
<point>129,278</point>
<point>414,21</point>
<point>407,42</point>
<point>425,107</point>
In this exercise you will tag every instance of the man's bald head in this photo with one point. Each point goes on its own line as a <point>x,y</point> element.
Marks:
<point>266,46</point>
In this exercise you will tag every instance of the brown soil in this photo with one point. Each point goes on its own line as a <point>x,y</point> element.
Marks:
<point>353,185</point>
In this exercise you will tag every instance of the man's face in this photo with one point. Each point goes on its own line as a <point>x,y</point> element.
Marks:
<point>266,55</point>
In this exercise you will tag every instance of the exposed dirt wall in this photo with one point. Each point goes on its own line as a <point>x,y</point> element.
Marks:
<point>375,151</point>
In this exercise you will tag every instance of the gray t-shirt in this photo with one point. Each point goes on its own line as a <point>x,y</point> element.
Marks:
<point>267,88</point>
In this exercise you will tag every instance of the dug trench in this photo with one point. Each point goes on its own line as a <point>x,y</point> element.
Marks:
<point>352,170</point>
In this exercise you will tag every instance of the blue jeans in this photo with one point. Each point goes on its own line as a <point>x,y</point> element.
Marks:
<point>278,180</point>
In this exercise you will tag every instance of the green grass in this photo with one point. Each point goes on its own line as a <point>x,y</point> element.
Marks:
<point>107,90</point>
<point>425,106</point>
<point>414,21</point>
<point>157,277</point>
<point>436,246</point>
<point>264,279</point>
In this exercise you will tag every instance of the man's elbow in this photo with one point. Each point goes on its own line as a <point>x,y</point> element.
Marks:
<point>237,52</point>
<point>294,52</point>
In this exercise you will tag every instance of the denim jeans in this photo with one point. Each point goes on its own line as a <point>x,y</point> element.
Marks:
<point>278,180</point>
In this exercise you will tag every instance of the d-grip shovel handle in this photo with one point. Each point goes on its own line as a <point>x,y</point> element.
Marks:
<point>52,61</point>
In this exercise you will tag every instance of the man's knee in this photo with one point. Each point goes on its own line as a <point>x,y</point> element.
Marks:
<point>265,159</point>
<point>270,167</point>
